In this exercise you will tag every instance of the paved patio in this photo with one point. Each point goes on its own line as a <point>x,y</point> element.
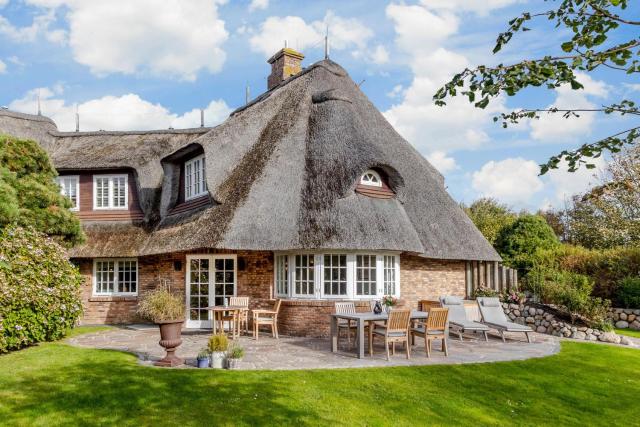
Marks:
<point>308,353</point>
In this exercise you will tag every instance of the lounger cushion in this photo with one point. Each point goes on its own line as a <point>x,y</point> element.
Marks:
<point>491,302</point>
<point>451,300</point>
<point>469,325</point>
<point>391,334</point>
<point>511,327</point>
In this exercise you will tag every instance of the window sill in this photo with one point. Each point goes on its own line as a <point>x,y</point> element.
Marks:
<point>112,298</point>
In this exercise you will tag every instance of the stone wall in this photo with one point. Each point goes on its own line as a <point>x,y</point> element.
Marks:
<point>625,318</point>
<point>545,322</point>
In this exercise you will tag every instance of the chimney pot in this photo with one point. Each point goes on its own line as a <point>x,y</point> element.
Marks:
<point>284,64</point>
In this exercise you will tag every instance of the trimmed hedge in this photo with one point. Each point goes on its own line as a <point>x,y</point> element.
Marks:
<point>39,289</point>
<point>608,267</point>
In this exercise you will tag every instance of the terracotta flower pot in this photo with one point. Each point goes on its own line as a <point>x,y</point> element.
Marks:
<point>170,339</point>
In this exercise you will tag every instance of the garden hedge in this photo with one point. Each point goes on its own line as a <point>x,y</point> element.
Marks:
<point>39,289</point>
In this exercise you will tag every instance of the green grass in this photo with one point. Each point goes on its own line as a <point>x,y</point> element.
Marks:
<point>79,330</point>
<point>628,332</point>
<point>54,383</point>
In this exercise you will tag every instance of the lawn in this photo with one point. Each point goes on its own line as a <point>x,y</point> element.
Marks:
<point>628,332</point>
<point>55,383</point>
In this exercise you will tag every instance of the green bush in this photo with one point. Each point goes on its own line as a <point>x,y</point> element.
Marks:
<point>29,196</point>
<point>39,289</point>
<point>607,268</point>
<point>483,291</point>
<point>569,290</point>
<point>519,242</point>
<point>628,293</point>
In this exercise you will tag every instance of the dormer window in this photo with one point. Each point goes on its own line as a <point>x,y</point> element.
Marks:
<point>110,192</point>
<point>194,178</point>
<point>371,178</point>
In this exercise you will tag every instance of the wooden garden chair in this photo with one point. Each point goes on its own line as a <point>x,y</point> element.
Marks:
<point>346,308</point>
<point>266,317</point>
<point>244,314</point>
<point>435,328</point>
<point>396,330</point>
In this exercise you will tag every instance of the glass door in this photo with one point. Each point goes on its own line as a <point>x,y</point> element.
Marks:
<point>210,279</point>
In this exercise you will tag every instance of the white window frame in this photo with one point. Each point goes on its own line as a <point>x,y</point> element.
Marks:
<point>364,180</point>
<point>293,267</point>
<point>110,178</point>
<point>351,275</point>
<point>116,262</point>
<point>77,179</point>
<point>281,275</point>
<point>187,182</point>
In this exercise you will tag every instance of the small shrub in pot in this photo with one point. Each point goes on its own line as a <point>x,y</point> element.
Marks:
<point>203,358</point>
<point>166,309</point>
<point>218,345</point>
<point>234,355</point>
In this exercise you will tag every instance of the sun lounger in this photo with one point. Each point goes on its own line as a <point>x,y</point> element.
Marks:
<point>494,317</point>
<point>458,317</point>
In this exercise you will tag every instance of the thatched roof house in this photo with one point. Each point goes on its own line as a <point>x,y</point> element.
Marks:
<point>282,175</point>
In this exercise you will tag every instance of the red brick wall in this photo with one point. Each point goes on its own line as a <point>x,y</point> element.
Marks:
<point>420,278</point>
<point>254,281</point>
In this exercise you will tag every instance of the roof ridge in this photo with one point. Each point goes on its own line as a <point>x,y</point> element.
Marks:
<point>26,116</point>
<point>197,130</point>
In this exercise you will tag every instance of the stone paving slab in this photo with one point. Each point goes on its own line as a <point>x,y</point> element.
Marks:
<point>308,353</point>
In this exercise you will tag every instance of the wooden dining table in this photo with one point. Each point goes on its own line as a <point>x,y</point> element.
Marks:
<point>219,312</point>
<point>360,320</point>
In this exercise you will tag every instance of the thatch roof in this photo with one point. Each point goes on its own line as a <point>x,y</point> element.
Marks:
<point>281,172</point>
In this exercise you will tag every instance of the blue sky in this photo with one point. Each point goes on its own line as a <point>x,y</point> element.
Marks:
<point>149,64</point>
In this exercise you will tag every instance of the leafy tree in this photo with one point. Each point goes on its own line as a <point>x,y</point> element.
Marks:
<point>609,214</point>
<point>597,27</point>
<point>29,196</point>
<point>490,217</point>
<point>518,243</point>
<point>557,221</point>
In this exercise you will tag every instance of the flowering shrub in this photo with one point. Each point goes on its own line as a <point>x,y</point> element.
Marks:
<point>514,297</point>
<point>484,291</point>
<point>39,289</point>
<point>389,300</point>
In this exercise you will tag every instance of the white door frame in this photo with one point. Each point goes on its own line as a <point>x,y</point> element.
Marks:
<point>212,258</point>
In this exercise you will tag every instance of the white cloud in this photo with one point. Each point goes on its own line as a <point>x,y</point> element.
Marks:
<point>421,35</point>
<point>39,26</point>
<point>258,4</point>
<point>3,67</point>
<point>566,184</point>
<point>442,162</point>
<point>379,55</point>
<point>552,126</point>
<point>126,112</point>
<point>3,3</point>
<point>344,33</point>
<point>168,38</point>
<point>480,7</point>
<point>512,180</point>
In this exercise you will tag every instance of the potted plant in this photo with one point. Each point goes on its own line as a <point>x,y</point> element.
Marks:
<point>203,358</point>
<point>389,302</point>
<point>234,355</point>
<point>165,309</point>
<point>218,345</point>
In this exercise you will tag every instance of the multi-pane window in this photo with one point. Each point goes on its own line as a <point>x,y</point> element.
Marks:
<point>194,178</point>
<point>305,275</point>
<point>282,275</point>
<point>70,187</point>
<point>199,289</point>
<point>335,274</point>
<point>389,270</point>
<point>366,275</point>
<point>371,178</point>
<point>115,276</point>
<point>110,192</point>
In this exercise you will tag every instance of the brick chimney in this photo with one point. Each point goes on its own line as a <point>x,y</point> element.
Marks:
<point>284,64</point>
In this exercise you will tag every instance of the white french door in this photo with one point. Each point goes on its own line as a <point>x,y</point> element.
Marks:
<point>210,279</point>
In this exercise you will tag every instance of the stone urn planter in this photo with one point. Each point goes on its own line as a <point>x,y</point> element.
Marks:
<point>166,309</point>
<point>170,339</point>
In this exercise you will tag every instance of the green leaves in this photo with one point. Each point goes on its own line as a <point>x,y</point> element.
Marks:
<point>591,23</point>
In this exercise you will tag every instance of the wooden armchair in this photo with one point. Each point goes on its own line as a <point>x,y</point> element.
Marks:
<point>346,308</point>
<point>435,328</point>
<point>396,330</point>
<point>266,317</point>
<point>244,314</point>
